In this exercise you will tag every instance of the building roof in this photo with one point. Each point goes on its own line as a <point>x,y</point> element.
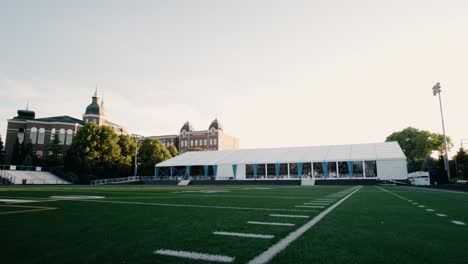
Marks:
<point>61,119</point>
<point>357,152</point>
<point>187,127</point>
<point>95,108</point>
<point>25,114</point>
<point>216,125</point>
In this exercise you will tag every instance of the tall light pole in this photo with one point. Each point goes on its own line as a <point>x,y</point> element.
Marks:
<point>137,138</point>
<point>436,91</point>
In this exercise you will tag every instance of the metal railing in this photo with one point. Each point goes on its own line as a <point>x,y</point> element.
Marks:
<point>123,180</point>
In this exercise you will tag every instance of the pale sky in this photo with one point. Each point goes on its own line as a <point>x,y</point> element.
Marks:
<point>276,73</point>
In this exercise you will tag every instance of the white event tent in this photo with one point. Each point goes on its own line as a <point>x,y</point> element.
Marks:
<point>384,161</point>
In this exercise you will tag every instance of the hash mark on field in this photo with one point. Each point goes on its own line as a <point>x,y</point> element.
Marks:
<point>194,255</point>
<point>430,210</point>
<point>221,233</point>
<point>443,215</point>
<point>421,206</point>
<point>458,222</point>
<point>269,223</point>
<point>415,203</point>
<point>290,216</point>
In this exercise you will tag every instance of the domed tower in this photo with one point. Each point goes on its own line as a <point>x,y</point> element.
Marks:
<point>187,127</point>
<point>215,125</point>
<point>95,111</point>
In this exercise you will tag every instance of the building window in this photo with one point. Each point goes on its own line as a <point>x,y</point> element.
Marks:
<point>20,135</point>
<point>52,134</point>
<point>211,141</point>
<point>40,139</point>
<point>69,137</point>
<point>196,142</point>
<point>33,135</point>
<point>215,141</point>
<point>191,143</point>
<point>62,136</point>
<point>205,141</point>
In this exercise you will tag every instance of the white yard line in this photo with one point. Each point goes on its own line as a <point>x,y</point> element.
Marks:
<point>194,255</point>
<point>442,215</point>
<point>399,196</point>
<point>267,255</point>
<point>422,206</point>
<point>290,216</point>
<point>269,223</point>
<point>314,203</point>
<point>197,206</point>
<point>458,222</point>
<point>430,210</point>
<point>309,206</point>
<point>222,233</point>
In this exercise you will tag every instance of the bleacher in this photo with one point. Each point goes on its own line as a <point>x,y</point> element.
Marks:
<point>33,177</point>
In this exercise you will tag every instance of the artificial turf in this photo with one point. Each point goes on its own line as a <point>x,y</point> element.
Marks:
<point>377,224</point>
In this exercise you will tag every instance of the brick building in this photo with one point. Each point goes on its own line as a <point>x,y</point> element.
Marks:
<point>41,131</point>
<point>212,139</point>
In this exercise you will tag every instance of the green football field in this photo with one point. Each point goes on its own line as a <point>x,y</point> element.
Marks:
<point>238,224</point>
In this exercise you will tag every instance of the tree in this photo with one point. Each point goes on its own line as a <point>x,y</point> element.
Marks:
<point>26,153</point>
<point>94,153</point>
<point>173,150</point>
<point>151,152</point>
<point>127,153</point>
<point>2,152</point>
<point>54,153</point>
<point>462,163</point>
<point>196,149</point>
<point>418,144</point>
<point>16,155</point>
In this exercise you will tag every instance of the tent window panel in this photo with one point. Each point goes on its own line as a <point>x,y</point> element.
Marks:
<point>318,170</point>
<point>371,168</point>
<point>343,169</point>
<point>358,169</point>
<point>307,169</point>
<point>249,171</point>
<point>293,171</point>
<point>271,170</point>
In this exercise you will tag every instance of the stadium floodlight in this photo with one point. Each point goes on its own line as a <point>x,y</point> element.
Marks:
<point>436,91</point>
<point>137,138</point>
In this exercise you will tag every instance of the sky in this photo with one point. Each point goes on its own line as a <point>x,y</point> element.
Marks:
<point>275,73</point>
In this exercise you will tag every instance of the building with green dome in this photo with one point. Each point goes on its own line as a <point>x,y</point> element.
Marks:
<point>214,138</point>
<point>41,131</point>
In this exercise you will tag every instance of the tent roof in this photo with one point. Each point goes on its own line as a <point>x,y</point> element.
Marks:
<point>357,152</point>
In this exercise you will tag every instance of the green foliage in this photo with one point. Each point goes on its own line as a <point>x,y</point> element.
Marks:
<point>16,154</point>
<point>95,151</point>
<point>2,151</point>
<point>127,153</point>
<point>173,150</point>
<point>462,163</point>
<point>418,144</point>
<point>151,152</point>
<point>54,153</point>
<point>196,149</point>
<point>26,153</point>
